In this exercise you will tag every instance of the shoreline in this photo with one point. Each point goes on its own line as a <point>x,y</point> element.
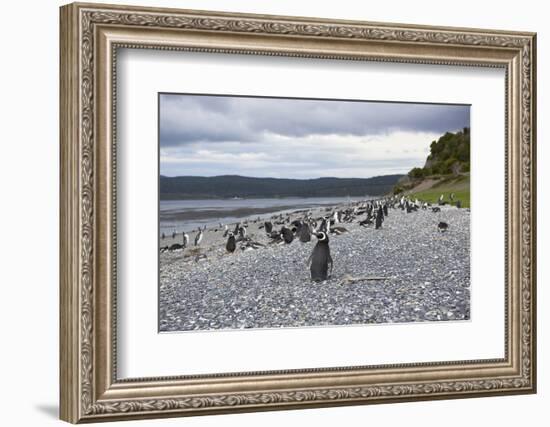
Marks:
<point>252,222</point>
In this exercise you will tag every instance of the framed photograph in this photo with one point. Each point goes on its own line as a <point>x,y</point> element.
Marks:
<point>266,212</point>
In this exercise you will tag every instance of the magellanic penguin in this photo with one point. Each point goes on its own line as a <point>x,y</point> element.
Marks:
<point>304,232</point>
<point>379,218</point>
<point>198,237</point>
<point>185,239</point>
<point>231,244</point>
<point>242,232</point>
<point>287,234</point>
<point>320,258</point>
<point>442,226</point>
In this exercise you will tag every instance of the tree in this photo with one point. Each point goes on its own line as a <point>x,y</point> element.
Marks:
<point>416,173</point>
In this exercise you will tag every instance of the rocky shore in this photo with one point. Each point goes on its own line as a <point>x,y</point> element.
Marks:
<point>407,271</point>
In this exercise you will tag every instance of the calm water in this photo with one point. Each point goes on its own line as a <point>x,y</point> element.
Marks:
<point>188,215</point>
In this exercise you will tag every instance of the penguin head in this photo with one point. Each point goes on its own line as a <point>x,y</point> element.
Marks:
<point>322,236</point>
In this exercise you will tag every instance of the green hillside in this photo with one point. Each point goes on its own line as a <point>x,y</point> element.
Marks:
<point>459,186</point>
<point>446,171</point>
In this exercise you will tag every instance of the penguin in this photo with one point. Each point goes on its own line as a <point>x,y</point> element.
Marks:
<point>325,225</point>
<point>442,227</point>
<point>242,233</point>
<point>338,230</point>
<point>288,237</point>
<point>268,227</point>
<point>379,218</point>
<point>440,201</point>
<point>458,204</point>
<point>163,236</point>
<point>185,239</point>
<point>320,258</point>
<point>304,233</point>
<point>198,237</point>
<point>436,209</point>
<point>174,234</point>
<point>275,237</point>
<point>231,245</point>
<point>365,222</point>
<point>385,208</point>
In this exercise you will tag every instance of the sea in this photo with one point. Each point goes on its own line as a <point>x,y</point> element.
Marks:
<point>189,215</point>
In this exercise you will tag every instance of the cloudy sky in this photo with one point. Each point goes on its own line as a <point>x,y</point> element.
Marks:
<point>294,138</point>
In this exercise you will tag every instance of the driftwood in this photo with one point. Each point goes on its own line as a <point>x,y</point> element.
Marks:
<point>349,279</point>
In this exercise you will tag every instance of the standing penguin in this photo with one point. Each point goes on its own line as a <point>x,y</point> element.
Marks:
<point>304,232</point>
<point>268,227</point>
<point>325,225</point>
<point>379,217</point>
<point>320,258</point>
<point>231,244</point>
<point>198,237</point>
<point>242,233</point>
<point>185,239</point>
<point>385,208</point>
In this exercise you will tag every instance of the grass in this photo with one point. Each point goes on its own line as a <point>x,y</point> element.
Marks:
<point>460,186</point>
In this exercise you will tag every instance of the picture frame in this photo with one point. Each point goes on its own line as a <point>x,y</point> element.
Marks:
<point>91,35</point>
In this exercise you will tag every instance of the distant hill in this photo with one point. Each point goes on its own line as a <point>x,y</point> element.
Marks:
<point>230,186</point>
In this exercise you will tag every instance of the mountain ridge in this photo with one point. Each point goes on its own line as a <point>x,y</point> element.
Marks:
<point>231,186</point>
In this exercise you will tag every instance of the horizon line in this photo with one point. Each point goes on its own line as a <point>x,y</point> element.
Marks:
<point>271,177</point>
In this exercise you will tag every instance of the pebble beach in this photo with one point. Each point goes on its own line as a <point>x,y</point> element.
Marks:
<point>407,271</point>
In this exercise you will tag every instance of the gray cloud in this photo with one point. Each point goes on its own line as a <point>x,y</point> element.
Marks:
<point>213,135</point>
<point>188,119</point>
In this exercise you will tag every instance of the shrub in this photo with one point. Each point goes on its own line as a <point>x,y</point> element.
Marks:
<point>397,189</point>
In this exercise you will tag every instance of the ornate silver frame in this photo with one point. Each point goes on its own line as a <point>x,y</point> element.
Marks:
<point>90,36</point>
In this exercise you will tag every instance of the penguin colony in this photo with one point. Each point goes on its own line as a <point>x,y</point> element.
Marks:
<point>280,230</point>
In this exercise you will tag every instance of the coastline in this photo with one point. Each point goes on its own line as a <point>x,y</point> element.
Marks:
<point>252,216</point>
